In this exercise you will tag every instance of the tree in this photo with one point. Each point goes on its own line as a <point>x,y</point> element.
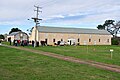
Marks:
<point>109,25</point>
<point>101,27</point>
<point>109,22</point>
<point>14,30</point>
<point>116,28</point>
<point>112,28</point>
<point>2,36</point>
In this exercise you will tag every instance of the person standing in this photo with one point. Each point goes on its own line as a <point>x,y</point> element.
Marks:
<point>0,42</point>
<point>10,42</point>
<point>15,42</point>
<point>32,43</point>
<point>23,43</point>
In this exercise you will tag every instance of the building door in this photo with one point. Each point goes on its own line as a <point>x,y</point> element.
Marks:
<point>71,41</point>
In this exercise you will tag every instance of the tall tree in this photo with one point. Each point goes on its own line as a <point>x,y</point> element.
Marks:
<point>2,36</point>
<point>14,30</point>
<point>116,28</point>
<point>112,28</point>
<point>109,24</point>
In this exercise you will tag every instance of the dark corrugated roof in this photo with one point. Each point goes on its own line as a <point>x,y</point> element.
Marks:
<point>71,30</point>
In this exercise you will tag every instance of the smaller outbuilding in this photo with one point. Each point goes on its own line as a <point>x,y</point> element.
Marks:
<point>17,36</point>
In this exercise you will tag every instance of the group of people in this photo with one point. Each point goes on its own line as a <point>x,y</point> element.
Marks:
<point>20,43</point>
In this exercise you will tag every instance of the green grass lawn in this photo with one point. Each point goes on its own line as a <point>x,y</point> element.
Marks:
<point>22,65</point>
<point>7,43</point>
<point>95,53</point>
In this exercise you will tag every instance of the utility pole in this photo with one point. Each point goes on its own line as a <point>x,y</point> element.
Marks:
<point>36,20</point>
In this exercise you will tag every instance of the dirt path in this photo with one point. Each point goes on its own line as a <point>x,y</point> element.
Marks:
<point>104,66</point>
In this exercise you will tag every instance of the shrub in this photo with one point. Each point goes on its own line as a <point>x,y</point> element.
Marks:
<point>115,41</point>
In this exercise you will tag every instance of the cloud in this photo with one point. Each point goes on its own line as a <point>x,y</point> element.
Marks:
<point>85,12</point>
<point>69,12</point>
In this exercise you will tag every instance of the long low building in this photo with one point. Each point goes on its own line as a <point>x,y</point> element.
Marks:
<point>52,35</point>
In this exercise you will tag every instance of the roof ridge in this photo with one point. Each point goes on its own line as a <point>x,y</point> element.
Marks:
<point>65,27</point>
<point>71,30</point>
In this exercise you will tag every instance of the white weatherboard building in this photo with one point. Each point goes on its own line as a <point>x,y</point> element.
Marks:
<point>17,36</point>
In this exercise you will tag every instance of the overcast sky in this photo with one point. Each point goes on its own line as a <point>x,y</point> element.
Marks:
<point>58,13</point>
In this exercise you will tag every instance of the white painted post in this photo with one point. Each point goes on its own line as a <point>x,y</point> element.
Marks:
<point>111,50</point>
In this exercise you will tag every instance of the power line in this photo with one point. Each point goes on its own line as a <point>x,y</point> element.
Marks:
<point>27,12</point>
<point>45,4</point>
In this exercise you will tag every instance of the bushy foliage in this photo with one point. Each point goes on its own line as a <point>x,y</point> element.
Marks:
<point>14,30</point>
<point>2,36</point>
<point>115,41</point>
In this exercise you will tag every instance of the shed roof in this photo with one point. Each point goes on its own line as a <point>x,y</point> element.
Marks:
<point>15,33</point>
<point>71,30</point>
